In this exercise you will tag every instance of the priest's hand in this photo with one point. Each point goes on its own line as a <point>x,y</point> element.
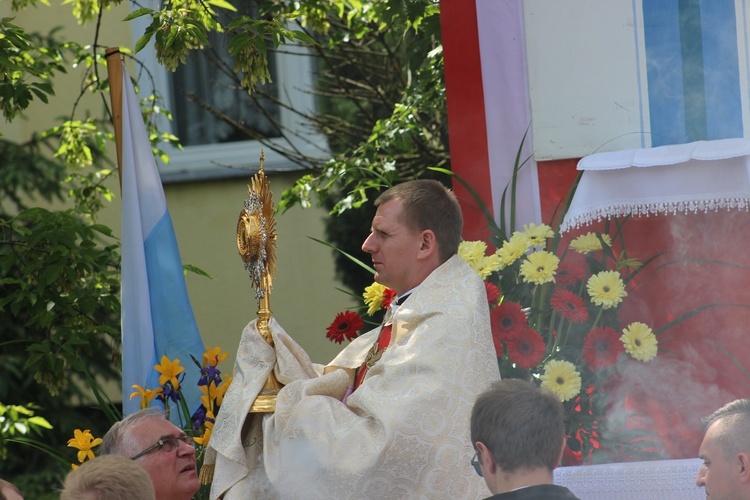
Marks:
<point>349,371</point>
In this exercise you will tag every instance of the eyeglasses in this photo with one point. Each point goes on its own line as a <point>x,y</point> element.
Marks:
<point>166,443</point>
<point>475,464</point>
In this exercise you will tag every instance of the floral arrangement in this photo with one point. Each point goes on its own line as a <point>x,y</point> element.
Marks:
<point>553,312</point>
<point>199,425</point>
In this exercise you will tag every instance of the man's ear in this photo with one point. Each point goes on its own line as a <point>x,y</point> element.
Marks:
<point>428,245</point>
<point>744,462</point>
<point>485,456</point>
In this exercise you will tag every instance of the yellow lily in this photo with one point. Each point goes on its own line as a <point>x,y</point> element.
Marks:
<point>222,389</point>
<point>146,394</point>
<point>214,356</point>
<point>84,441</point>
<point>209,425</point>
<point>169,370</point>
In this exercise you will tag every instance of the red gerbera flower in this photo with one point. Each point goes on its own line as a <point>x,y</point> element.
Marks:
<point>345,325</point>
<point>388,295</point>
<point>526,349</point>
<point>602,347</point>
<point>570,305</point>
<point>507,319</point>
<point>569,272</point>
<point>493,292</point>
<point>498,345</point>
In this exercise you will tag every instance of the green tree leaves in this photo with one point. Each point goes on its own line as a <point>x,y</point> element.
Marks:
<point>26,68</point>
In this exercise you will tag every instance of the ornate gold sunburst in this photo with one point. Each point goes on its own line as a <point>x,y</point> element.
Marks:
<point>256,233</point>
<point>256,242</point>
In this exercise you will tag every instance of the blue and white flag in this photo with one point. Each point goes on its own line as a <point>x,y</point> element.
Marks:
<point>157,318</point>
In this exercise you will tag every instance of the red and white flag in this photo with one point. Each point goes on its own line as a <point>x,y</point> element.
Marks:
<point>488,107</point>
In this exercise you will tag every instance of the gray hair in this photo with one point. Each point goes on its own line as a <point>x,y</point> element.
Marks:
<point>119,439</point>
<point>108,477</point>
<point>734,434</point>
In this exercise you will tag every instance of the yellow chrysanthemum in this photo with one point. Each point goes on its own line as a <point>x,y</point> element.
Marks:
<point>214,356</point>
<point>490,264</point>
<point>640,342</point>
<point>169,370</point>
<point>513,249</point>
<point>589,242</point>
<point>477,266</point>
<point>540,267</point>
<point>472,251</point>
<point>606,289</point>
<point>538,234</point>
<point>373,296</point>
<point>562,378</point>
<point>146,395</point>
<point>84,441</point>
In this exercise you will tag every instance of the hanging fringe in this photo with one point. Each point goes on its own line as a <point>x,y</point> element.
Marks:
<point>206,475</point>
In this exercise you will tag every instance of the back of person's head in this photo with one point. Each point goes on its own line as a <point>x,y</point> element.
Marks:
<point>9,491</point>
<point>119,439</point>
<point>108,477</point>
<point>521,424</point>
<point>734,433</point>
<point>428,204</point>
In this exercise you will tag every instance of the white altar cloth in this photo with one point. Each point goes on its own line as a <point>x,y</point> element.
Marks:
<point>655,480</point>
<point>694,177</point>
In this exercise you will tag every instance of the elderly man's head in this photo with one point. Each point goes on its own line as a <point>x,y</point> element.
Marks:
<point>161,448</point>
<point>8,491</point>
<point>108,477</point>
<point>725,451</point>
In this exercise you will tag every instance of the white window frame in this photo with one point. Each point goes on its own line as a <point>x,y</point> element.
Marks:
<point>294,74</point>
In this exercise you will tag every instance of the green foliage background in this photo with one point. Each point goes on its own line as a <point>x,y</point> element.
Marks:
<point>381,104</point>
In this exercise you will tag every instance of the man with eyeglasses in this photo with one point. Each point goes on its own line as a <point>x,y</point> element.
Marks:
<point>518,433</point>
<point>163,450</point>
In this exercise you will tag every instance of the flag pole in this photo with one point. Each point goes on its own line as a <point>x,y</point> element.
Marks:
<point>114,72</point>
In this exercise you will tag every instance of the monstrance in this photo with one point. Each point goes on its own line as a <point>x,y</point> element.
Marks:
<point>256,242</point>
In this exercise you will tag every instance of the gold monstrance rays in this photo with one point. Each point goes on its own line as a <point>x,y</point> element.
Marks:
<point>256,243</point>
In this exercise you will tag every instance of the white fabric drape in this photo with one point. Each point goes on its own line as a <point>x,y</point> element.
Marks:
<point>404,433</point>
<point>698,176</point>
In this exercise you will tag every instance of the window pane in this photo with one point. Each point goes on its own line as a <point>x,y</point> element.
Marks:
<point>208,79</point>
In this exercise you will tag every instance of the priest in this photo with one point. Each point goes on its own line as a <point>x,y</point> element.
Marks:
<point>389,416</point>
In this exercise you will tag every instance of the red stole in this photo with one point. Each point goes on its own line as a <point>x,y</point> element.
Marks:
<point>373,355</point>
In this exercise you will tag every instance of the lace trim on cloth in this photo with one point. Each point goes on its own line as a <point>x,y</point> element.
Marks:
<point>645,209</point>
<point>656,480</point>
<point>686,178</point>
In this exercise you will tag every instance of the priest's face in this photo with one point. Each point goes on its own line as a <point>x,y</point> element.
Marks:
<point>720,474</point>
<point>172,472</point>
<point>394,248</point>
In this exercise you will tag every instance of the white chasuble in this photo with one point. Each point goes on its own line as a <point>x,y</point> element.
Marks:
<point>404,433</point>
